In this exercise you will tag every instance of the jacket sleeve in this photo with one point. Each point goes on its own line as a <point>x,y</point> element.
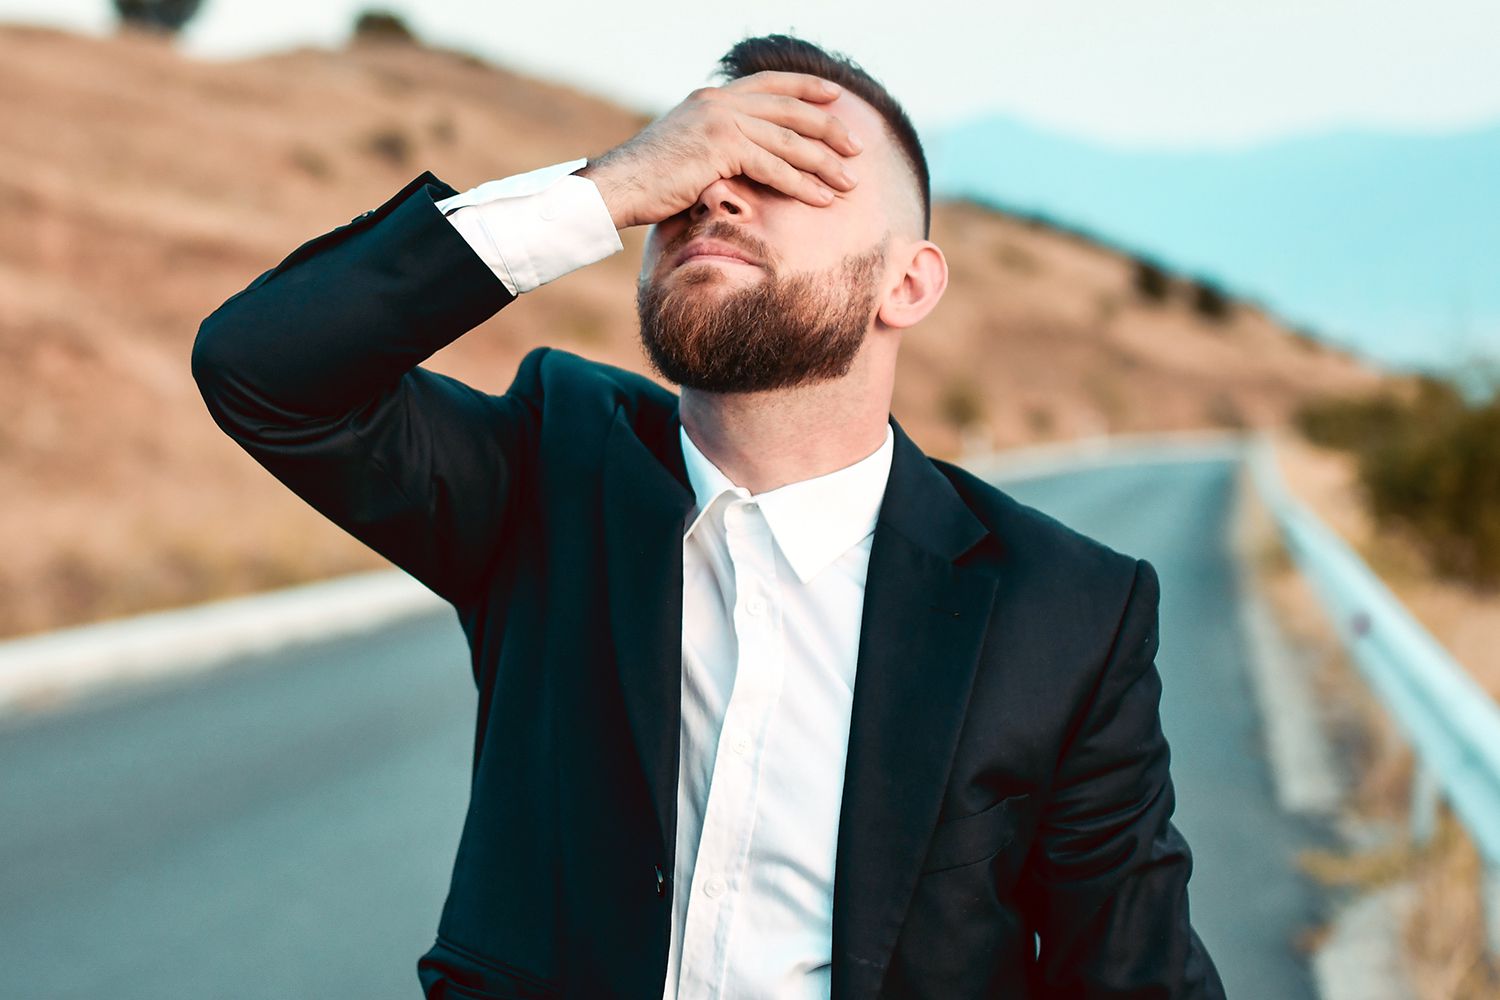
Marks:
<point>1107,885</point>
<point>313,370</point>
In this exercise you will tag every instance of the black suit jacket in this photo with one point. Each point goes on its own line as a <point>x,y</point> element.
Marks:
<point>1006,776</point>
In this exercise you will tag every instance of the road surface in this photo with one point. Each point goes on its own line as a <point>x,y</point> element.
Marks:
<point>285,827</point>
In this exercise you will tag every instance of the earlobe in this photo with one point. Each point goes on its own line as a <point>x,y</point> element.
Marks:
<point>919,287</point>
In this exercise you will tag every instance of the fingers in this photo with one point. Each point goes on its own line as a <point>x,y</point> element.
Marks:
<point>802,117</point>
<point>801,85</point>
<point>758,163</point>
<point>791,144</point>
<point>811,156</point>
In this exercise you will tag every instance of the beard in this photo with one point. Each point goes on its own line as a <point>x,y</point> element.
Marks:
<point>773,333</point>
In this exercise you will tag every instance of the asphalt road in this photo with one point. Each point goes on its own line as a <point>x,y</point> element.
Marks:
<point>285,827</point>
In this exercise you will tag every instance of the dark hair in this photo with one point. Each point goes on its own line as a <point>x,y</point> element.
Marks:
<point>794,55</point>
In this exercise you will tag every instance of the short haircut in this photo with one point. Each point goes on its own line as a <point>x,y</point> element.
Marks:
<point>786,54</point>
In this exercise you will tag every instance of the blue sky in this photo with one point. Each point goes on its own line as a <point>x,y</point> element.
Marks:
<point>1152,73</point>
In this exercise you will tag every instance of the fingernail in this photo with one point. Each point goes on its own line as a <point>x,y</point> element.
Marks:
<point>854,141</point>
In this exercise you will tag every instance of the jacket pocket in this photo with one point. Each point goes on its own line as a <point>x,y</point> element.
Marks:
<point>965,840</point>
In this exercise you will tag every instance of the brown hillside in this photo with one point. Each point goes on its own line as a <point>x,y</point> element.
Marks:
<point>140,188</point>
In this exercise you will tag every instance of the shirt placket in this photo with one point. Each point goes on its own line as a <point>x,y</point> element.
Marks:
<point>719,877</point>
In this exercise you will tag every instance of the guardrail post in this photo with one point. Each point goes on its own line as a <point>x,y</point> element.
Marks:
<point>1424,803</point>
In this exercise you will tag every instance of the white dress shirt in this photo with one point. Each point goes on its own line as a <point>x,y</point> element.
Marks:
<point>773,598</point>
<point>531,228</point>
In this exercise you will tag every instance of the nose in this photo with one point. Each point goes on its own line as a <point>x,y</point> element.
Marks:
<point>721,195</point>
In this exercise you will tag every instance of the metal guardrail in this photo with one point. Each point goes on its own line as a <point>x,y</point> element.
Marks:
<point>1451,722</point>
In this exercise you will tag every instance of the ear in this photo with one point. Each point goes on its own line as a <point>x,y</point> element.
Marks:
<point>919,285</point>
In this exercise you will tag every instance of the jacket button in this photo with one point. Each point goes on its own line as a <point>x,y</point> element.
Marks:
<point>661,886</point>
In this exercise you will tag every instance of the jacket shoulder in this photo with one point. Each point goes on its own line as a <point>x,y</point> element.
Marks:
<point>1032,540</point>
<point>564,373</point>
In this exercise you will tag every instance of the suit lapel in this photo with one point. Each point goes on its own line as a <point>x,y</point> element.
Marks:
<point>647,499</point>
<point>924,621</point>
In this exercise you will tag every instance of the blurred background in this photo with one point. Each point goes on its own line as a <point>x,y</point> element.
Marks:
<point>1171,227</point>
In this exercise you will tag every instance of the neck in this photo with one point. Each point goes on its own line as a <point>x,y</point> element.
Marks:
<point>764,440</point>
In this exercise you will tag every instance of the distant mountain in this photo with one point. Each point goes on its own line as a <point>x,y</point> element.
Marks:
<point>1386,243</point>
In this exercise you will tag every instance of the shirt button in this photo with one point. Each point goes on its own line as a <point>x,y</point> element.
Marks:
<point>742,745</point>
<point>715,887</point>
<point>548,211</point>
<point>756,605</point>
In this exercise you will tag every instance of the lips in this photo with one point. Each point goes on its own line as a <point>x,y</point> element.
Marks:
<point>711,249</point>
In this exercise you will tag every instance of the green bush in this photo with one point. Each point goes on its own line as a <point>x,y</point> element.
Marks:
<point>382,26</point>
<point>1350,422</point>
<point>1429,464</point>
<point>160,16</point>
<point>1443,481</point>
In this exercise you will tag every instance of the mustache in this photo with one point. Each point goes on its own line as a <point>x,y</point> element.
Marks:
<point>724,232</point>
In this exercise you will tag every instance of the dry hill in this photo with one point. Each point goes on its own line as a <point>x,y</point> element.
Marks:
<point>140,188</point>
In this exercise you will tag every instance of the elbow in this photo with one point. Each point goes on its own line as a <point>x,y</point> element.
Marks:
<point>208,360</point>
<point>204,360</point>
<point>220,344</point>
<point>220,369</point>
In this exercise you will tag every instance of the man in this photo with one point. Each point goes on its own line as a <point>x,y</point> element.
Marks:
<point>770,703</point>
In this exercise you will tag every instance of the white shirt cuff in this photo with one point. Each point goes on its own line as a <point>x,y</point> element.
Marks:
<point>534,227</point>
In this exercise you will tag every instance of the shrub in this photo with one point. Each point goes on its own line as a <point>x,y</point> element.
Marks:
<point>162,16</point>
<point>1349,422</point>
<point>1151,281</point>
<point>382,26</point>
<point>1441,479</point>
<point>311,162</point>
<point>1429,464</point>
<point>389,143</point>
<point>1211,301</point>
<point>961,403</point>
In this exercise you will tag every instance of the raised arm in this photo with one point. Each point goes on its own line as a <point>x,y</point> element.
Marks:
<point>314,370</point>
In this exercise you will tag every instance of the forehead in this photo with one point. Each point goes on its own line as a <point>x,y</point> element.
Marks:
<point>880,160</point>
<point>861,119</point>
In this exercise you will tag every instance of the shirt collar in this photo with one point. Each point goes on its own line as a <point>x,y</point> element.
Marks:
<point>814,521</point>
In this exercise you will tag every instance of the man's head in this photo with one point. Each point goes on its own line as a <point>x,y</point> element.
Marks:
<point>822,278</point>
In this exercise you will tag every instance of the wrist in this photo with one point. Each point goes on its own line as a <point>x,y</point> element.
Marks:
<point>607,191</point>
